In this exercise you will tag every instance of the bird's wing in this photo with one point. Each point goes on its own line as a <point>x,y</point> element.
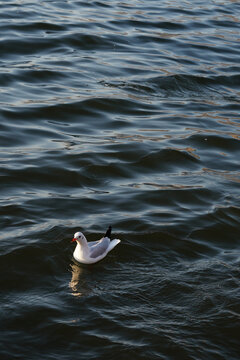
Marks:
<point>108,233</point>
<point>100,248</point>
<point>93,243</point>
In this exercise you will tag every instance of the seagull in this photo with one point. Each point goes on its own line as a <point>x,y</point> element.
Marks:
<point>94,251</point>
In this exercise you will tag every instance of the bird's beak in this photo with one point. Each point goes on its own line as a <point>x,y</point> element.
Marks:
<point>74,239</point>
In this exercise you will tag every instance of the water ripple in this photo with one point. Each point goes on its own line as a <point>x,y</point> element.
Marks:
<point>124,114</point>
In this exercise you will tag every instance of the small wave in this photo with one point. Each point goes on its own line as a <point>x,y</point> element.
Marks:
<point>182,85</point>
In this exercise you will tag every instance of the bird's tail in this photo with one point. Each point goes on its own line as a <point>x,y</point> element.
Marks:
<point>113,243</point>
<point>108,233</point>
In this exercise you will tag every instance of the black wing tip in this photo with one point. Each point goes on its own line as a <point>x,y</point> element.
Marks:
<point>108,232</point>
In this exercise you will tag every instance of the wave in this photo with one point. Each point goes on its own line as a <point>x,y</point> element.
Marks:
<point>185,86</point>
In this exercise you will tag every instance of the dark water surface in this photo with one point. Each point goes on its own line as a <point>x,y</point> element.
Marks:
<point>121,113</point>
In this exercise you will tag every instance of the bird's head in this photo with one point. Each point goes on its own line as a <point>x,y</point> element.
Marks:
<point>78,236</point>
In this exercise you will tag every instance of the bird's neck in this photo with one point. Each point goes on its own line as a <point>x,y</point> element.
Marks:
<point>82,241</point>
<point>82,247</point>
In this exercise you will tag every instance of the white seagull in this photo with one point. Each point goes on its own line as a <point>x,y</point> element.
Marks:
<point>93,251</point>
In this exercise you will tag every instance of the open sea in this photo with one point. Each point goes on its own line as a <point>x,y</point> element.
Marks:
<point>122,113</point>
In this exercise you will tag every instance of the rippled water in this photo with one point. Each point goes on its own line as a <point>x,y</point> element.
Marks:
<point>121,113</point>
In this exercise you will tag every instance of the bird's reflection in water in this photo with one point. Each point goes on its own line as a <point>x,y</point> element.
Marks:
<point>78,283</point>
